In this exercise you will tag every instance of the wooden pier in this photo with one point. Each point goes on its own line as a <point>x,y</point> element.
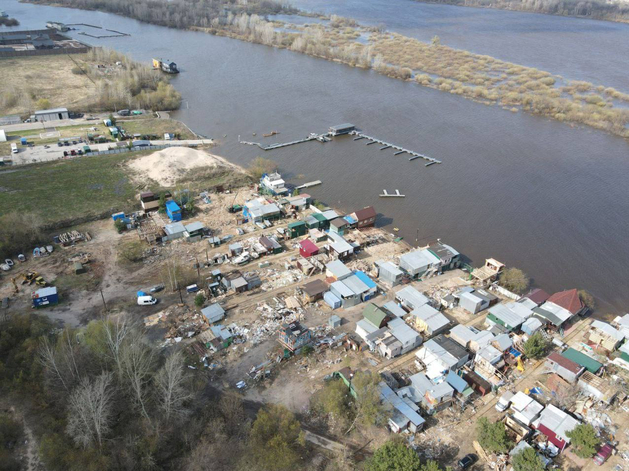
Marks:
<point>400,150</point>
<point>386,194</point>
<point>312,137</point>
<point>309,184</point>
<point>325,137</point>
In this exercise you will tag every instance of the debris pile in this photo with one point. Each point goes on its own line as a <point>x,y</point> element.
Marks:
<point>72,237</point>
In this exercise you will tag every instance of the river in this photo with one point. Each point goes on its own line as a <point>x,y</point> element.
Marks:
<point>533,193</point>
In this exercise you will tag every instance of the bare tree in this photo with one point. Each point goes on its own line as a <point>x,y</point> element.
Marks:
<point>171,387</point>
<point>90,411</point>
<point>48,359</point>
<point>60,359</point>
<point>137,364</point>
<point>116,332</point>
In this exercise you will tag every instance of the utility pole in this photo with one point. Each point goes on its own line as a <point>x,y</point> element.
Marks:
<point>198,267</point>
<point>103,298</point>
<point>180,296</point>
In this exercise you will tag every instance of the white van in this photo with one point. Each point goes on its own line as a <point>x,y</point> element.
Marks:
<point>14,149</point>
<point>146,300</point>
<point>504,402</point>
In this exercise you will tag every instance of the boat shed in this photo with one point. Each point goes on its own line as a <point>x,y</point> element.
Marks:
<point>389,273</point>
<point>564,367</point>
<point>394,310</point>
<point>463,334</point>
<point>332,300</point>
<point>174,231</point>
<point>408,338</point>
<point>354,283</point>
<point>337,270</point>
<point>347,296</point>
<point>308,248</point>
<point>555,423</point>
<point>410,298</point>
<point>404,416</point>
<point>373,288</point>
<point>418,262</point>
<point>428,320</point>
<point>213,313</point>
<point>582,359</point>
<point>313,291</point>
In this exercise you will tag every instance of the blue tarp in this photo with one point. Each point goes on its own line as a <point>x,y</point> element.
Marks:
<point>142,293</point>
<point>362,276</point>
<point>514,352</point>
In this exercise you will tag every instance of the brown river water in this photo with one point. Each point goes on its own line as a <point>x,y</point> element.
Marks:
<point>537,194</point>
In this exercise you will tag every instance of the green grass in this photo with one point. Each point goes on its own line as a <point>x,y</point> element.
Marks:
<point>66,190</point>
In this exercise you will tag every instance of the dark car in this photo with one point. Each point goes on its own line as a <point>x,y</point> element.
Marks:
<point>65,153</point>
<point>60,144</point>
<point>467,461</point>
<point>66,143</point>
<point>72,152</point>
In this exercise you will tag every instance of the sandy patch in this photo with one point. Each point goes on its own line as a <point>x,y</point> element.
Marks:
<point>167,166</point>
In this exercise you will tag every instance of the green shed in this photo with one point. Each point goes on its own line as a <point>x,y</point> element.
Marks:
<point>583,360</point>
<point>297,229</point>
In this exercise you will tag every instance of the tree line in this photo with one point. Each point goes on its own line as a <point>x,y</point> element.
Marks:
<point>598,10</point>
<point>101,397</point>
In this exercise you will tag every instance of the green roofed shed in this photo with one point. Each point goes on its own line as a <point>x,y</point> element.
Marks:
<point>582,359</point>
<point>374,315</point>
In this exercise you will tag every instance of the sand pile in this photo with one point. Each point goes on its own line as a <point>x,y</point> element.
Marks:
<point>169,165</point>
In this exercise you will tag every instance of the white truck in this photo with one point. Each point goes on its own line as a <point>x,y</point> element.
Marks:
<point>14,149</point>
<point>504,402</point>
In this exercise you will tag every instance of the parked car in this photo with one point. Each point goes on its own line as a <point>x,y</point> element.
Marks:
<point>66,143</point>
<point>467,461</point>
<point>60,144</point>
<point>5,267</point>
<point>72,152</point>
<point>9,262</point>
<point>192,288</point>
<point>156,288</point>
<point>146,300</point>
<point>602,455</point>
<point>65,153</point>
<point>21,257</point>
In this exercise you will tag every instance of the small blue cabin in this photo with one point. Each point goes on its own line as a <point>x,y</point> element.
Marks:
<point>45,297</point>
<point>173,211</point>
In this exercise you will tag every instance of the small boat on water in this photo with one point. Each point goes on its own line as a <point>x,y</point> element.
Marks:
<point>386,194</point>
<point>269,134</point>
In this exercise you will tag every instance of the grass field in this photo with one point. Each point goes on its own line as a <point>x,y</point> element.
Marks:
<point>155,126</point>
<point>60,191</point>
<point>28,79</point>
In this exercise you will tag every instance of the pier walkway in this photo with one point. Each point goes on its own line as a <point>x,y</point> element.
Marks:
<point>400,150</point>
<point>359,135</point>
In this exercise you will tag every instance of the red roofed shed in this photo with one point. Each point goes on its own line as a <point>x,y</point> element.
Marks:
<point>307,248</point>
<point>569,300</point>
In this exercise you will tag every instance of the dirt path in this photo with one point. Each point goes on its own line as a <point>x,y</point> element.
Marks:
<point>33,462</point>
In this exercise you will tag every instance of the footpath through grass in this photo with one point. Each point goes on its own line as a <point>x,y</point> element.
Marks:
<point>70,189</point>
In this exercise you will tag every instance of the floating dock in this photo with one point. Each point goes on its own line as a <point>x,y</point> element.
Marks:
<point>325,137</point>
<point>386,194</point>
<point>309,184</point>
<point>400,150</point>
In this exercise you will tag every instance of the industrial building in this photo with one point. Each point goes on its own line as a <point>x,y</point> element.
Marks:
<point>55,114</point>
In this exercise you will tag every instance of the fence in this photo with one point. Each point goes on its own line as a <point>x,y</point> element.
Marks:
<point>44,52</point>
<point>122,150</point>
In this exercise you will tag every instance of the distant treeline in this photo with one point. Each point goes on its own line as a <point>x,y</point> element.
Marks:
<point>598,10</point>
<point>177,13</point>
